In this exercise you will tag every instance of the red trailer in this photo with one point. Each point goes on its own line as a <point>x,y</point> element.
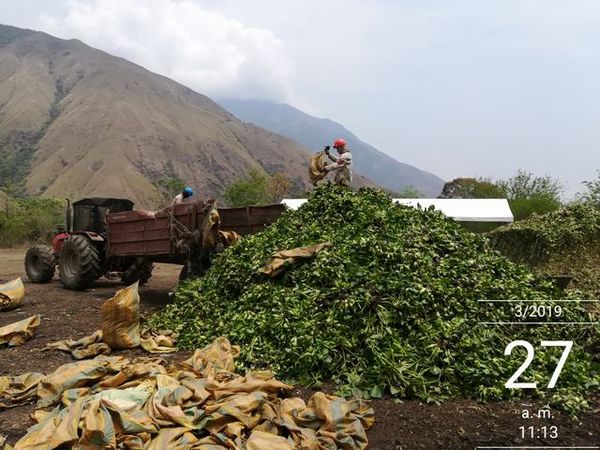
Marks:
<point>249,219</point>
<point>184,234</point>
<point>126,242</point>
<point>163,236</point>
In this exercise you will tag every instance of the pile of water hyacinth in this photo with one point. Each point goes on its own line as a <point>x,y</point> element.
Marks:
<point>563,242</point>
<point>393,304</point>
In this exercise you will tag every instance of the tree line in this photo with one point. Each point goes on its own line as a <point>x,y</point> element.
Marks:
<point>26,220</point>
<point>526,193</point>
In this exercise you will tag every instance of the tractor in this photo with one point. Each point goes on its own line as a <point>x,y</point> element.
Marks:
<point>80,249</point>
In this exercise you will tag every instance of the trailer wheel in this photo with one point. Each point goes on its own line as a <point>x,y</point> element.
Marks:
<point>140,270</point>
<point>79,263</point>
<point>40,264</point>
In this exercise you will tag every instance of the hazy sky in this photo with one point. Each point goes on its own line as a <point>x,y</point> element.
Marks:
<point>457,87</point>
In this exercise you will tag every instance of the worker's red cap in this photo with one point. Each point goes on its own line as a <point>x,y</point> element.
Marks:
<point>339,143</point>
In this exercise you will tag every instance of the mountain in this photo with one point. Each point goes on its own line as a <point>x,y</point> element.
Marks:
<point>76,121</point>
<point>315,133</point>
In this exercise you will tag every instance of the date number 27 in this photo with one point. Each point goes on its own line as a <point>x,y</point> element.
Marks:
<point>512,382</point>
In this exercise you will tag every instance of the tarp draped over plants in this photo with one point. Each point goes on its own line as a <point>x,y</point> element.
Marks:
<point>281,260</point>
<point>392,305</point>
<point>145,403</point>
<point>227,238</point>
<point>11,294</point>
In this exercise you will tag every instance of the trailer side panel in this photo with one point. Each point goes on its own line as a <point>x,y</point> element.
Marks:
<point>249,219</point>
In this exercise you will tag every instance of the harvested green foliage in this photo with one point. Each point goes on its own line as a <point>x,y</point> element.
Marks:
<point>391,306</point>
<point>564,242</point>
<point>542,236</point>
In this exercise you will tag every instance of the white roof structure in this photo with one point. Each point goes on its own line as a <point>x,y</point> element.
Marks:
<point>460,209</point>
<point>293,203</point>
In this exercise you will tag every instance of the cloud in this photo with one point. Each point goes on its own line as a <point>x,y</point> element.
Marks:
<point>459,87</point>
<point>183,40</point>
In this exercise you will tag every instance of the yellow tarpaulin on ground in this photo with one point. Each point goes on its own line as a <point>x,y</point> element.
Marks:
<point>281,260</point>
<point>11,294</point>
<point>120,329</point>
<point>121,319</point>
<point>86,347</point>
<point>163,341</point>
<point>19,332</point>
<point>15,391</point>
<point>92,345</point>
<point>215,358</point>
<point>315,170</point>
<point>146,403</point>
<point>75,375</point>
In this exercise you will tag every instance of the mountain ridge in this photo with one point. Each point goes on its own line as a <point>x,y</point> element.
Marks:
<point>76,121</point>
<point>315,132</point>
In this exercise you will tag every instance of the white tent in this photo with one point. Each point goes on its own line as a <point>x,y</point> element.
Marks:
<point>460,209</point>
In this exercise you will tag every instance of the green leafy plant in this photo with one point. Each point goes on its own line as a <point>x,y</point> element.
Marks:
<point>409,192</point>
<point>257,188</point>
<point>563,242</point>
<point>29,220</point>
<point>391,307</point>
<point>528,194</point>
<point>591,194</point>
<point>472,188</point>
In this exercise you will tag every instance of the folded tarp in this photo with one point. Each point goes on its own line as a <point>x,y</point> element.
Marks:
<point>121,319</point>
<point>283,259</point>
<point>18,332</point>
<point>315,169</point>
<point>93,345</point>
<point>19,390</point>
<point>11,294</point>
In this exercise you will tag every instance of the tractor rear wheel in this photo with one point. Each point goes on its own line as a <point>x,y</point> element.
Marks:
<point>140,270</point>
<point>40,264</point>
<point>79,263</point>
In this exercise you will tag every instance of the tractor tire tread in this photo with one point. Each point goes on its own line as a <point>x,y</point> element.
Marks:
<point>40,264</point>
<point>89,257</point>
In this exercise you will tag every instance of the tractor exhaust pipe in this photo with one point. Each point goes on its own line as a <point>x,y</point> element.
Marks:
<point>69,217</point>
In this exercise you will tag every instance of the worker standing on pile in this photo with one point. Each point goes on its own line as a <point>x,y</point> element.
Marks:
<point>342,164</point>
<point>183,196</point>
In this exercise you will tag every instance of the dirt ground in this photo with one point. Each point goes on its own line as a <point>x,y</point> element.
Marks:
<point>400,425</point>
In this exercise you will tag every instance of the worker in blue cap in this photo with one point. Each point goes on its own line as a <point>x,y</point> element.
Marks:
<point>183,196</point>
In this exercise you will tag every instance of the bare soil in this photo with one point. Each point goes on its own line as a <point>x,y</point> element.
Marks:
<point>402,425</point>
